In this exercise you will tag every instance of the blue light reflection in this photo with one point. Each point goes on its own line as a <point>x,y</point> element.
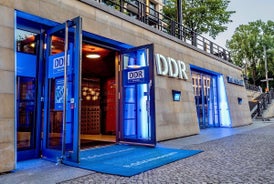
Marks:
<point>135,101</point>
<point>225,120</point>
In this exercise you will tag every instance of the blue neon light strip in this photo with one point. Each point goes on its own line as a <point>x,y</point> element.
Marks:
<point>136,99</point>
<point>225,120</point>
<point>142,98</point>
<point>211,103</point>
<point>203,70</point>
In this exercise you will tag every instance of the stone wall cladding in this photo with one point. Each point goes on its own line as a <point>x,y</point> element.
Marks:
<point>7,149</point>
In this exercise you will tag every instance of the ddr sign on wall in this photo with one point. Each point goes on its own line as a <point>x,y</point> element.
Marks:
<point>169,67</point>
<point>236,81</point>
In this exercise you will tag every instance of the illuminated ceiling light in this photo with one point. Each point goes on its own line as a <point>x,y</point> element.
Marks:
<point>32,45</point>
<point>93,56</point>
<point>134,66</point>
<point>88,97</point>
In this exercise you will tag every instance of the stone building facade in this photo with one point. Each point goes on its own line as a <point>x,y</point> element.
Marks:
<point>173,118</point>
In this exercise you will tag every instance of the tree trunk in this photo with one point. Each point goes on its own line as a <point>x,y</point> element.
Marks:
<point>253,68</point>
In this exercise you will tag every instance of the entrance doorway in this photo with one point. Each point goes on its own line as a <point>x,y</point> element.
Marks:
<point>206,99</point>
<point>210,98</point>
<point>79,100</point>
<point>116,106</point>
<point>99,96</point>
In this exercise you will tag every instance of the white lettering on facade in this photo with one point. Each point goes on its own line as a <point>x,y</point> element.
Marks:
<point>170,67</point>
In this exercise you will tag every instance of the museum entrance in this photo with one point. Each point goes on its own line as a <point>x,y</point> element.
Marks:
<point>99,96</point>
<point>210,98</point>
<point>76,92</point>
<point>205,91</point>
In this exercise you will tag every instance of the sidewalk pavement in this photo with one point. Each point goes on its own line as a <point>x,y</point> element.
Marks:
<point>231,155</point>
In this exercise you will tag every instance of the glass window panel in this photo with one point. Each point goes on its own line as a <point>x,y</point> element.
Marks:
<point>26,95</point>
<point>25,41</point>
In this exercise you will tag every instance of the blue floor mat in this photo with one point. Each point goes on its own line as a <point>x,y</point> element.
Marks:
<point>129,160</point>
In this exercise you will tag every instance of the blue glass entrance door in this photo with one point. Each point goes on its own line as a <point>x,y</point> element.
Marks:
<point>206,99</point>
<point>213,106</point>
<point>62,87</point>
<point>137,121</point>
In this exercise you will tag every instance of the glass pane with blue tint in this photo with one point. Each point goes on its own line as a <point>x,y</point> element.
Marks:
<point>62,89</point>
<point>26,100</point>
<point>224,113</point>
<point>136,121</point>
<point>25,41</point>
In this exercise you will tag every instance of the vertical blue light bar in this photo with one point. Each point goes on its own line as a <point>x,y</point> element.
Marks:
<point>129,111</point>
<point>225,120</point>
<point>142,116</point>
<point>129,102</point>
<point>210,104</point>
<point>215,102</point>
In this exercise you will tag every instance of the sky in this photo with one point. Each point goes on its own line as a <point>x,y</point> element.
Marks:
<point>246,11</point>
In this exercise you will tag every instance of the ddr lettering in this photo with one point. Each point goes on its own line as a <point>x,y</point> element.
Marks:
<point>136,74</point>
<point>59,62</point>
<point>170,67</point>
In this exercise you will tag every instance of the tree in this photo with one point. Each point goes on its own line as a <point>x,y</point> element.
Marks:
<point>248,43</point>
<point>201,16</point>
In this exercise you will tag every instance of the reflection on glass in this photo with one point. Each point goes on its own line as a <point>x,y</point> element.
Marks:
<point>25,41</point>
<point>55,121</point>
<point>26,116</point>
<point>135,115</point>
<point>223,105</point>
<point>58,45</point>
<point>56,91</point>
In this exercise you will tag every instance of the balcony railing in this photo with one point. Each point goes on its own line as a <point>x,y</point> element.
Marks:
<point>147,15</point>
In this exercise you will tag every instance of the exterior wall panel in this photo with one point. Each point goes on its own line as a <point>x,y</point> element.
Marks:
<point>7,130</point>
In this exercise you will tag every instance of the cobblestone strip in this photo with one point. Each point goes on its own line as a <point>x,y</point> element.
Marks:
<point>246,158</point>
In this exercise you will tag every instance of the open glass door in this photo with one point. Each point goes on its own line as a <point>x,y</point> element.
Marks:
<point>62,92</point>
<point>137,118</point>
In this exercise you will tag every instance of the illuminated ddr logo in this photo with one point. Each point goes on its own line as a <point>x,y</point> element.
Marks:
<point>139,74</point>
<point>136,76</point>
<point>59,62</point>
<point>170,67</point>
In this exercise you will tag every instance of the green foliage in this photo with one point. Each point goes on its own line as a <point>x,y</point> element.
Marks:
<point>247,44</point>
<point>201,16</point>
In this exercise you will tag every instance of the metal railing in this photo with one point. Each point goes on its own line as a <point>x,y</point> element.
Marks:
<point>252,87</point>
<point>261,104</point>
<point>150,16</point>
